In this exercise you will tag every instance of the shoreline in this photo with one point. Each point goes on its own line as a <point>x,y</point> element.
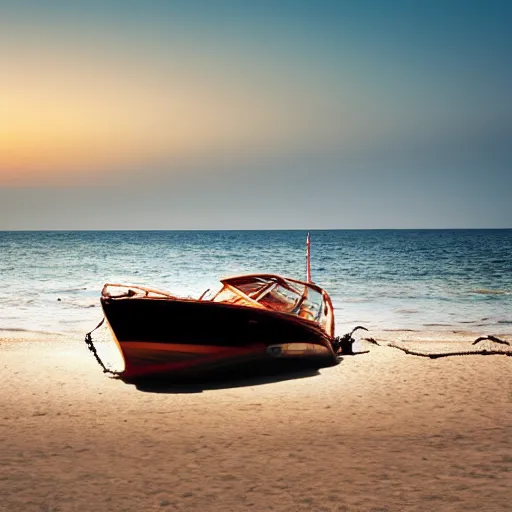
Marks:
<point>380,431</point>
<point>419,337</point>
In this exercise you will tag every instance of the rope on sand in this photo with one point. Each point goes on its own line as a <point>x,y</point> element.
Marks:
<point>437,355</point>
<point>90,345</point>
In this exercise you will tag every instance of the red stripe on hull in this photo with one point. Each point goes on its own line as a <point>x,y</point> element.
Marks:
<point>140,363</point>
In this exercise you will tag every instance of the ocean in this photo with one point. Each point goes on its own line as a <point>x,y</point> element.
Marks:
<point>382,279</point>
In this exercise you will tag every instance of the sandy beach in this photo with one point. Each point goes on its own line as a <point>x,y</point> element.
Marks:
<point>382,431</point>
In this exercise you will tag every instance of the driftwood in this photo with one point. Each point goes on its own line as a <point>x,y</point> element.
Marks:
<point>492,338</point>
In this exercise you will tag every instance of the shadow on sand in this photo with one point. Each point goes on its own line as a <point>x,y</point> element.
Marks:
<point>235,378</point>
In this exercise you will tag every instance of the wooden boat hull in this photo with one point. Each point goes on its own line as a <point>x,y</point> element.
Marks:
<point>181,337</point>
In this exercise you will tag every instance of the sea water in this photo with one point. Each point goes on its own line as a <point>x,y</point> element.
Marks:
<point>382,279</point>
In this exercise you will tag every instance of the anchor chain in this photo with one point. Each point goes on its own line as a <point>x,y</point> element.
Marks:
<point>342,345</point>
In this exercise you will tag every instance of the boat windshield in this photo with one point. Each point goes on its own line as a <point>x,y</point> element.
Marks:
<point>279,294</point>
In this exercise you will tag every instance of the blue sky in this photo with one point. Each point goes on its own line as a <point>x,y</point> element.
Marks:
<point>212,115</point>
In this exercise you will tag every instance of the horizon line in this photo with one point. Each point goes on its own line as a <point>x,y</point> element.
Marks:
<point>248,230</point>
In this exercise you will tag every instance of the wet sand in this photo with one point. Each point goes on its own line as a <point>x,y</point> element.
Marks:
<point>382,431</point>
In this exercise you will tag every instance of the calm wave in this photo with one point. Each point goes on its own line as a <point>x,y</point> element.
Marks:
<point>396,279</point>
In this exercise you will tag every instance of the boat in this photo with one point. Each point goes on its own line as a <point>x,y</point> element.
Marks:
<point>252,320</point>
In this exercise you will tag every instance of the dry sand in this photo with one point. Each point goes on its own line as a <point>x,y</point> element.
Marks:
<point>383,431</point>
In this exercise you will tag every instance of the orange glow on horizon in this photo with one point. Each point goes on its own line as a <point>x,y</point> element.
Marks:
<point>51,132</point>
<point>67,115</point>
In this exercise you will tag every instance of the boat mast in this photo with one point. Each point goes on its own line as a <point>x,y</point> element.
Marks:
<point>308,259</point>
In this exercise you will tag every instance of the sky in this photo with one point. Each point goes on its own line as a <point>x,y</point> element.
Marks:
<point>255,115</point>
